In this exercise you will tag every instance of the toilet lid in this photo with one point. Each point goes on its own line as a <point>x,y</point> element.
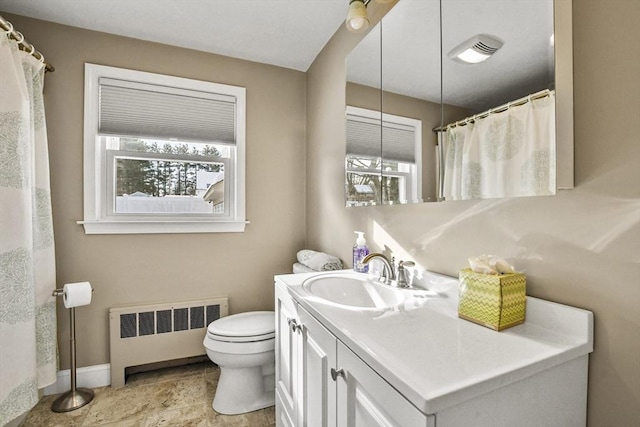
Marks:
<point>250,326</point>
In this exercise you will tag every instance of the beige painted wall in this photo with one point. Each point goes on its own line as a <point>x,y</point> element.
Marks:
<point>129,269</point>
<point>580,247</point>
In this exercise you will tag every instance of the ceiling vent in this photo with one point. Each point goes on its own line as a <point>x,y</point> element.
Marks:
<point>477,49</point>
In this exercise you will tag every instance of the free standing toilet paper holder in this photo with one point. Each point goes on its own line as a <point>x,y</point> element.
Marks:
<point>76,397</point>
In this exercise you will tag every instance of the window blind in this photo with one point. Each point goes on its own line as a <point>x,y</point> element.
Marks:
<point>396,142</point>
<point>155,111</point>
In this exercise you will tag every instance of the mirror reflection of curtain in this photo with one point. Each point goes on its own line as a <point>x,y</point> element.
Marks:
<point>505,154</point>
<point>27,264</point>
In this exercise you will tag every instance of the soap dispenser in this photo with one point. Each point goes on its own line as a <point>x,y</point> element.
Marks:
<point>360,250</point>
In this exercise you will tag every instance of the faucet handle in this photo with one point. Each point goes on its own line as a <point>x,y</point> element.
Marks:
<point>402,274</point>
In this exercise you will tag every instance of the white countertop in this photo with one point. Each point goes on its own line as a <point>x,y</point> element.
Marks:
<point>437,360</point>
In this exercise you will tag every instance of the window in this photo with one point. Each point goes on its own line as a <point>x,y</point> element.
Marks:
<point>162,154</point>
<point>381,164</point>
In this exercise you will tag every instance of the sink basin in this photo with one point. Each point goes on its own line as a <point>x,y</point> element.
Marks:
<point>354,291</point>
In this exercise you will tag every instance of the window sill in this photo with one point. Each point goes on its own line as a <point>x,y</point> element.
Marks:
<point>162,227</point>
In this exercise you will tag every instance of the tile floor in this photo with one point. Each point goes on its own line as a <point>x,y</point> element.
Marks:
<point>179,396</point>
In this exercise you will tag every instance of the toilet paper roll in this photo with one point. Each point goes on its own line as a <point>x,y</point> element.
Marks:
<point>77,294</point>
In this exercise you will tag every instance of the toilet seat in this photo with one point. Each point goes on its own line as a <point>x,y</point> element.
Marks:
<point>243,327</point>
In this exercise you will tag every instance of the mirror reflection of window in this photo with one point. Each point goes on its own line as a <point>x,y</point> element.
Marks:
<point>400,181</point>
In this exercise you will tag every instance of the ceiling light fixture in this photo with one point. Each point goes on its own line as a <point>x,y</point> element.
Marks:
<point>357,18</point>
<point>477,49</point>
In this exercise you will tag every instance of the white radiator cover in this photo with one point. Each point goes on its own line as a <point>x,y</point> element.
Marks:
<point>159,332</point>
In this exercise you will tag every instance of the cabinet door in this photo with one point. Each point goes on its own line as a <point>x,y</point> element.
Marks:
<point>365,399</point>
<point>287,359</point>
<point>283,419</point>
<point>319,357</point>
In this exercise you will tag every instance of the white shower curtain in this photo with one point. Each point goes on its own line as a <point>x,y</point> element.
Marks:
<point>27,260</point>
<point>506,154</point>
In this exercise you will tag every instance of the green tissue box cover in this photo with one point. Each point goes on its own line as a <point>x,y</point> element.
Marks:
<point>496,301</point>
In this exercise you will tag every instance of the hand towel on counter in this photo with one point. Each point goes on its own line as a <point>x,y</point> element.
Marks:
<point>301,268</point>
<point>319,261</point>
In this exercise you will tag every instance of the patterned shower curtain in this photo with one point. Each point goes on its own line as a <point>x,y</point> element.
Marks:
<point>506,154</point>
<point>27,260</point>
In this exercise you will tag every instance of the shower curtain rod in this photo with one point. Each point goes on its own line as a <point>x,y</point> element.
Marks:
<point>499,109</point>
<point>7,27</point>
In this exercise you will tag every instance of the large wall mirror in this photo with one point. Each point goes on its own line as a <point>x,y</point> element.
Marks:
<point>456,99</point>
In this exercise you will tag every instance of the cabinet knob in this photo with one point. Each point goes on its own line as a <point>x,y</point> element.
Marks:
<point>294,325</point>
<point>335,374</point>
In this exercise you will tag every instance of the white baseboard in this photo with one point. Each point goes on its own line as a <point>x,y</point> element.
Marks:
<point>89,377</point>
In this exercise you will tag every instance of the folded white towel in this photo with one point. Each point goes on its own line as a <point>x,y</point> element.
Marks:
<point>319,261</point>
<point>301,268</point>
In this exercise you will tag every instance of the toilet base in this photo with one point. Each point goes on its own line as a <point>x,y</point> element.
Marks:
<point>257,390</point>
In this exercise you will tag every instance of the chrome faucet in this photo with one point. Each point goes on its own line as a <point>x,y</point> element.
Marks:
<point>388,274</point>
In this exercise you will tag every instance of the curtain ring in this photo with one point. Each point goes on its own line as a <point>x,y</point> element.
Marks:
<point>33,50</point>
<point>10,30</point>
<point>18,33</point>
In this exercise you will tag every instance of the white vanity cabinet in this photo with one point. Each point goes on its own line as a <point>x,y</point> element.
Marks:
<point>341,390</point>
<point>288,360</point>
<point>418,364</point>
<point>320,382</point>
<point>318,364</point>
<point>305,354</point>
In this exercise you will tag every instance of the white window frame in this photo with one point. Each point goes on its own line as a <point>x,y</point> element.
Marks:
<point>98,219</point>
<point>411,190</point>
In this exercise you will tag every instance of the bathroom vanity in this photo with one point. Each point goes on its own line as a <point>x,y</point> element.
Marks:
<point>354,352</point>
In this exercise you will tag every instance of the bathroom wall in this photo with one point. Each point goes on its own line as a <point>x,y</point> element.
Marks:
<point>132,269</point>
<point>580,247</point>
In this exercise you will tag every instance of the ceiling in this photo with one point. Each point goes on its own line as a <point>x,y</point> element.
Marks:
<point>286,33</point>
<point>291,33</point>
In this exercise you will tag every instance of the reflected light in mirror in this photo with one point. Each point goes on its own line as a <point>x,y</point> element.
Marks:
<point>477,49</point>
<point>472,57</point>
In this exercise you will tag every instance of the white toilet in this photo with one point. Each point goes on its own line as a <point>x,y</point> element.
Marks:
<point>243,346</point>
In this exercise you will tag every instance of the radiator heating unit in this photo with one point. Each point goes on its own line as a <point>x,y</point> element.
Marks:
<point>161,332</point>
